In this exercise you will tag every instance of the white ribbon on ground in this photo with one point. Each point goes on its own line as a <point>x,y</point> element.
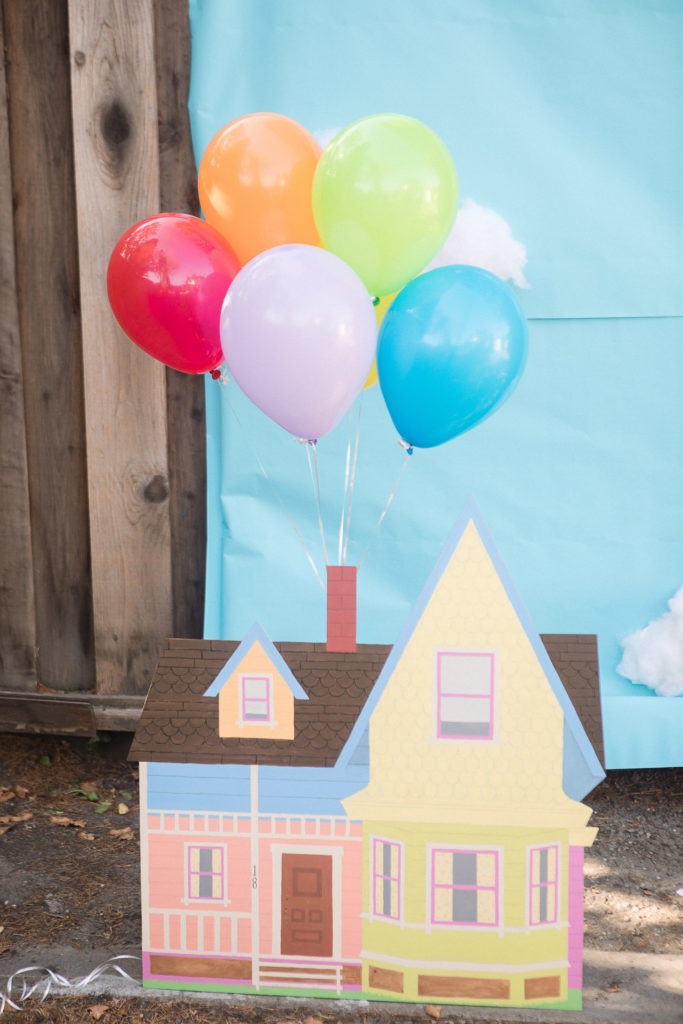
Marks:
<point>23,983</point>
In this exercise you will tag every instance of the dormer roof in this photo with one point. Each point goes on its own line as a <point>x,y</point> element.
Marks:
<point>256,635</point>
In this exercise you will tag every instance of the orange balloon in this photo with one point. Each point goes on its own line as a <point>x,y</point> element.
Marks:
<point>380,309</point>
<point>255,182</point>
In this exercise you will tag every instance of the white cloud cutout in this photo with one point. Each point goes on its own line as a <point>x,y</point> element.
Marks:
<point>654,655</point>
<point>480,237</point>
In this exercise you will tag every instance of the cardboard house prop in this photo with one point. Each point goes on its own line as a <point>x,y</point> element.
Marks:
<point>366,821</point>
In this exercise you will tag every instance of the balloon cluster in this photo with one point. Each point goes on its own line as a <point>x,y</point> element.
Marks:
<point>301,257</point>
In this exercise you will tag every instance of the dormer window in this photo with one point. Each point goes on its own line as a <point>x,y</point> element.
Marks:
<point>256,691</point>
<point>256,699</point>
<point>465,695</point>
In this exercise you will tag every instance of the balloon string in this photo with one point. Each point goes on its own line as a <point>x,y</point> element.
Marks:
<point>409,452</point>
<point>346,490</point>
<point>314,567</point>
<point>316,489</point>
<point>353,479</point>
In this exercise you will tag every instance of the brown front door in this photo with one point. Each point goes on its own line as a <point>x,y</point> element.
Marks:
<point>306,905</point>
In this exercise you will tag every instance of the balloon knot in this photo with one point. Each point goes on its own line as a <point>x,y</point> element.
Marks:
<point>307,440</point>
<point>375,300</point>
<point>221,375</point>
<point>408,448</point>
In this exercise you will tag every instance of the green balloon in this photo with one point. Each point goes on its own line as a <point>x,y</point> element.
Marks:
<point>385,195</point>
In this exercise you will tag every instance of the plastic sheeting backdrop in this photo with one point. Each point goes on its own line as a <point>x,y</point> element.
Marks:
<point>564,119</point>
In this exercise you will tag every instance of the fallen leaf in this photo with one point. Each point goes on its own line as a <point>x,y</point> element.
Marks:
<point>433,1011</point>
<point>101,808</point>
<point>613,987</point>
<point>4,828</point>
<point>45,760</point>
<point>12,819</point>
<point>122,833</point>
<point>313,1020</point>
<point>9,795</point>
<point>97,1011</point>
<point>21,791</point>
<point>123,809</point>
<point>86,835</point>
<point>5,947</point>
<point>126,795</point>
<point>88,787</point>
<point>61,820</point>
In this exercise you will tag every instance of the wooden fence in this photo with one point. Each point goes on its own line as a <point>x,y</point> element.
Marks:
<point>102,450</point>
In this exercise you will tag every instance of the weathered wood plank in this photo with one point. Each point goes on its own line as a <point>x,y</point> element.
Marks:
<point>117,184</point>
<point>186,421</point>
<point>17,613</point>
<point>36,40</point>
<point>64,713</point>
<point>34,714</point>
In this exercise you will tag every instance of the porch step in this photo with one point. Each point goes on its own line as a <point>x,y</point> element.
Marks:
<point>307,976</point>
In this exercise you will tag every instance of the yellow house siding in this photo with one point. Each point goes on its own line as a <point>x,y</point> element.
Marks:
<point>516,777</point>
<point>414,943</point>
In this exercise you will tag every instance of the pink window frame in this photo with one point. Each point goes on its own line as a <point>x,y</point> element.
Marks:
<point>377,873</point>
<point>490,696</point>
<point>212,874</point>
<point>261,700</point>
<point>484,888</point>
<point>553,885</point>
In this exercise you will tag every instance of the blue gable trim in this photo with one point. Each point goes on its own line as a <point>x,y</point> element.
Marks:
<point>581,769</point>
<point>256,634</point>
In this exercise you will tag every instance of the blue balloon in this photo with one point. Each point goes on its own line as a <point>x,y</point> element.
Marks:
<point>452,346</point>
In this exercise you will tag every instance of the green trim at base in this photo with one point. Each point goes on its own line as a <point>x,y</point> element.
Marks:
<point>249,990</point>
<point>572,1002</point>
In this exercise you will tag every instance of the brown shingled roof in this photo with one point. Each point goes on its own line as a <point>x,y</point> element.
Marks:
<point>575,657</point>
<point>179,724</point>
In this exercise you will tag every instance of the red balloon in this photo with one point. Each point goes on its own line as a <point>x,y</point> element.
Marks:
<point>167,279</point>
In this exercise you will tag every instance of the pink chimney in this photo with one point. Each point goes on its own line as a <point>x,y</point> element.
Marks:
<point>341,607</point>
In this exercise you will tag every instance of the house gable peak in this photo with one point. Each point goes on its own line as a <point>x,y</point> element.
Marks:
<point>581,769</point>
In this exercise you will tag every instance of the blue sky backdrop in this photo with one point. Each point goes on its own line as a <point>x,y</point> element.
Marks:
<point>565,119</point>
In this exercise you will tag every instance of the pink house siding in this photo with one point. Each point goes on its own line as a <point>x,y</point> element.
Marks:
<point>575,975</point>
<point>220,925</point>
<point>167,874</point>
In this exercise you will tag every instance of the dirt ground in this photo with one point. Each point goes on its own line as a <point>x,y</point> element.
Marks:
<point>69,865</point>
